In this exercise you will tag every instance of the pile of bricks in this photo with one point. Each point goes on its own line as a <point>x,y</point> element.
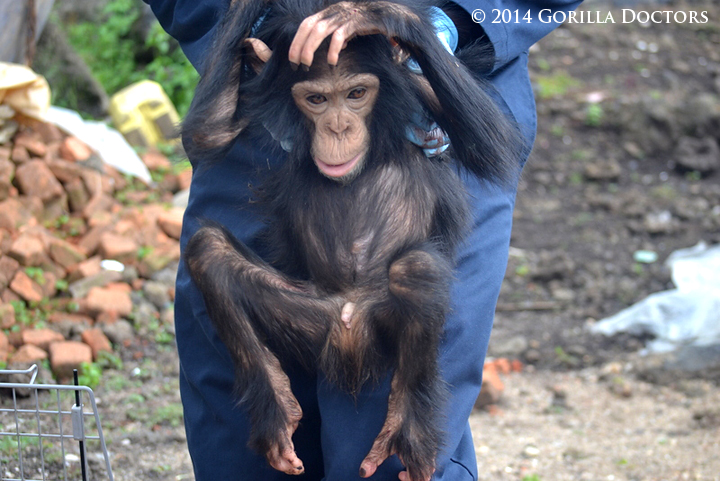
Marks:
<point>61,212</point>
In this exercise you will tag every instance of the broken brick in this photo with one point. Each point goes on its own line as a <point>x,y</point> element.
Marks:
<point>73,149</point>
<point>68,355</point>
<point>26,288</point>
<point>108,300</point>
<point>97,341</point>
<point>41,338</point>
<point>28,354</point>
<point>35,179</point>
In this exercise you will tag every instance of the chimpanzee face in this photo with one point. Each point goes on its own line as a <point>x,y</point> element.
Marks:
<point>339,106</point>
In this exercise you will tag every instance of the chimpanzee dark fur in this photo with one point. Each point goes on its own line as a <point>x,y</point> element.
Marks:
<point>384,242</point>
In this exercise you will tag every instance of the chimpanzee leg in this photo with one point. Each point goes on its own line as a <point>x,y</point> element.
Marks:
<point>417,305</point>
<point>248,301</point>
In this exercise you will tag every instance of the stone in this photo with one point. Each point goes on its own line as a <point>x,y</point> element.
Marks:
<point>8,268</point>
<point>603,171</point>
<point>28,250</point>
<point>7,316</point>
<point>73,149</point>
<point>171,222</point>
<point>28,354</point>
<point>68,355</point>
<point>48,132</point>
<point>7,173</point>
<point>184,179</point>
<point>113,246</point>
<point>118,332</point>
<point>699,155</point>
<point>100,299</point>
<point>64,253</point>
<point>26,288</point>
<point>41,338</point>
<point>81,288</point>
<point>97,203</point>
<point>156,293</point>
<point>91,240</point>
<point>97,341</point>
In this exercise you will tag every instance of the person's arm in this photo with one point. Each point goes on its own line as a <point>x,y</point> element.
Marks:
<point>192,23</point>
<point>509,40</point>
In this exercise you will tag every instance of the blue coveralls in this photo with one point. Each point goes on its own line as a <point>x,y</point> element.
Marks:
<point>337,431</point>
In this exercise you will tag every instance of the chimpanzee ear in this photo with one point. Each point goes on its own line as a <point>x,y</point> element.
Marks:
<point>258,54</point>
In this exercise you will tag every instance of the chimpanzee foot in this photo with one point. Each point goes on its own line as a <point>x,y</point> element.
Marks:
<point>282,457</point>
<point>416,451</point>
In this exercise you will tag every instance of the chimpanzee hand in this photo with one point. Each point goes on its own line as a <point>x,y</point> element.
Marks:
<point>344,21</point>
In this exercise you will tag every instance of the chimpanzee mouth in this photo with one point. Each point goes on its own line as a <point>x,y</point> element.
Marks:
<point>340,170</point>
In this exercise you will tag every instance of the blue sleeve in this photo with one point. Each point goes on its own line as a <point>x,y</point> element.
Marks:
<point>192,23</point>
<point>510,40</point>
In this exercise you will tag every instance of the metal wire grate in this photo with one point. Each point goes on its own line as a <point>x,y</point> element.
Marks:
<point>48,432</point>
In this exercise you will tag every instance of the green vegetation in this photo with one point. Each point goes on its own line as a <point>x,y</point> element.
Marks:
<point>117,58</point>
<point>557,85</point>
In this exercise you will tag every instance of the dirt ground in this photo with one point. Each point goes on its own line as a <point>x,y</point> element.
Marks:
<point>620,165</point>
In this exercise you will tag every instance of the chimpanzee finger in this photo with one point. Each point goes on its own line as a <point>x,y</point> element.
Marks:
<point>296,47</point>
<point>377,455</point>
<point>319,32</point>
<point>337,43</point>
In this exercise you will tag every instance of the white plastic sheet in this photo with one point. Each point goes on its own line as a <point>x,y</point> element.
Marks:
<point>687,315</point>
<point>109,143</point>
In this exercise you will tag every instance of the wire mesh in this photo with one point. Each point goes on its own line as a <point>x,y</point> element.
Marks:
<point>46,434</point>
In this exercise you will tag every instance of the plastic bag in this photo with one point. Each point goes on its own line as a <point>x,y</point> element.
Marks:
<point>688,315</point>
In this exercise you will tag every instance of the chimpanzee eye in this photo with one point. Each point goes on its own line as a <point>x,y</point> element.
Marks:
<point>357,93</point>
<point>316,99</point>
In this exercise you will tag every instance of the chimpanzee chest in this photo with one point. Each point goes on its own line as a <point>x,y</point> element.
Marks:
<point>354,231</point>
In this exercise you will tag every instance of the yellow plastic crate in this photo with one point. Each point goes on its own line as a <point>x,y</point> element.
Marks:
<point>144,114</point>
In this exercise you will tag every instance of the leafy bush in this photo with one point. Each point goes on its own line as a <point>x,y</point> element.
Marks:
<point>118,58</point>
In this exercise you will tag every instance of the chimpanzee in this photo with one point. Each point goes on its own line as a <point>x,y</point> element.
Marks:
<point>362,225</point>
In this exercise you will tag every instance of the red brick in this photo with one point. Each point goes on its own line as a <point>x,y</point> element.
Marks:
<point>64,253</point>
<point>26,288</point>
<point>184,179</point>
<point>73,149</point>
<point>97,203</point>
<point>154,160</point>
<point>516,365</point>
<point>492,387</point>
<point>13,214</point>
<point>8,268</point>
<point>68,355</point>
<point>28,354</point>
<point>84,269</point>
<point>502,365</point>
<point>34,145</point>
<point>35,179</point>
<point>107,300</point>
<point>41,338</point>
<point>57,317</point>
<point>116,247</point>
<point>19,154</point>
<point>7,316</point>
<point>91,241</point>
<point>97,341</point>
<point>171,222</point>
<point>4,347</point>
<point>64,171</point>
<point>9,296</point>
<point>78,196</point>
<point>4,153</point>
<point>119,286</point>
<point>48,132</point>
<point>28,250</point>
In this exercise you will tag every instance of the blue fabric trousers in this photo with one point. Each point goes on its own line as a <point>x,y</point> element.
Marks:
<point>337,430</point>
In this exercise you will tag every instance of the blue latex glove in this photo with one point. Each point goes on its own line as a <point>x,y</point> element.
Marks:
<point>424,132</point>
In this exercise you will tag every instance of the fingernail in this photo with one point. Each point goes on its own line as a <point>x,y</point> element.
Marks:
<point>306,68</point>
<point>293,66</point>
<point>362,472</point>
